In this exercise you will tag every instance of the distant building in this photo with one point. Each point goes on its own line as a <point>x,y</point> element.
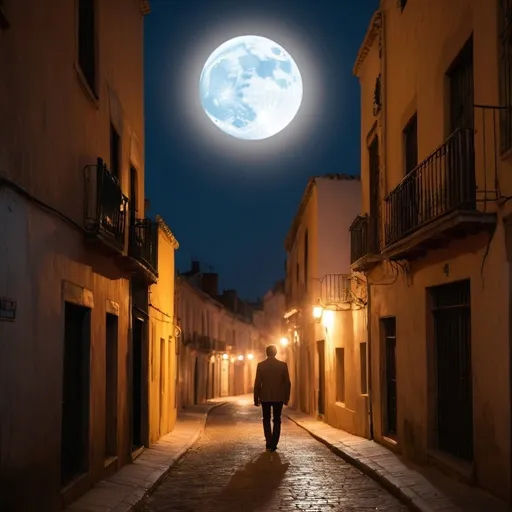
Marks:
<point>327,355</point>
<point>433,237</point>
<point>220,344</point>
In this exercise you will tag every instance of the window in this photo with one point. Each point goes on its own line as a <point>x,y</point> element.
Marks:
<point>306,255</point>
<point>87,42</point>
<point>401,4</point>
<point>505,72</point>
<point>115,152</point>
<point>411,144</point>
<point>364,379</point>
<point>4,23</point>
<point>340,375</point>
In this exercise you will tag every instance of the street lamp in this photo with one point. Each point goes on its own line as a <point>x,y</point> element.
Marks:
<point>225,356</point>
<point>240,357</point>
<point>250,357</point>
<point>318,311</point>
<point>284,342</point>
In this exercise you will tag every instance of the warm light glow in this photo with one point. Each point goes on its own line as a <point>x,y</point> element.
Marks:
<point>232,359</point>
<point>240,357</point>
<point>328,319</point>
<point>317,312</point>
<point>250,356</point>
<point>284,342</point>
<point>225,356</point>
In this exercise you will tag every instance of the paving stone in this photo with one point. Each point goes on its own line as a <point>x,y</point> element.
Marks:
<point>228,470</point>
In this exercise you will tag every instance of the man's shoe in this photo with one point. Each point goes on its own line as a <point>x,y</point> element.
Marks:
<point>273,449</point>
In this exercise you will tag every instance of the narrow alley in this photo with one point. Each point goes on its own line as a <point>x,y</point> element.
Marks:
<point>229,469</point>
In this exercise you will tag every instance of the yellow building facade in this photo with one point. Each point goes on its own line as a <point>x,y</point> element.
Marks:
<point>433,237</point>
<point>164,339</point>
<point>327,354</point>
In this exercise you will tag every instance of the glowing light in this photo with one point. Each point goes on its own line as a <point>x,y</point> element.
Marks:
<point>308,120</point>
<point>225,356</point>
<point>232,359</point>
<point>250,357</point>
<point>318,312</point>
<point>250,88</point>
<point>328,318</point>
<point>284,342</point>
<point>240,357</point>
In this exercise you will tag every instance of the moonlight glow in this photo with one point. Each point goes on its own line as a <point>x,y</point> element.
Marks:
<point>250,87</point>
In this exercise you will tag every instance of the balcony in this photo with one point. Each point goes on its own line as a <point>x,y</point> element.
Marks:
<point>364,243</point>
<point>436,202</point>
<point>335,290</point>
<point>105,208</point>
<point>204,343</point>
<point>143,248</point>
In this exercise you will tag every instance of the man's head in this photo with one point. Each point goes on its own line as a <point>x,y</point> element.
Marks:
<point>271,351</point>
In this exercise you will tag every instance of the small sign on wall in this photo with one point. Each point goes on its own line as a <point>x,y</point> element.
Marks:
<point>7,309</point>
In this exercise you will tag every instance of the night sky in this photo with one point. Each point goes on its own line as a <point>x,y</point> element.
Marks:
<point>230,202</point>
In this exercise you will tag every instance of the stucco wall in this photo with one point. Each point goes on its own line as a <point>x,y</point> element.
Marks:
<point>414,65</point>
<point>163,364</point>
<point>38,254</point>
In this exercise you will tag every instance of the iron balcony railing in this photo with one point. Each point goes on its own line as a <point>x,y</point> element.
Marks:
<point>106,205</point>
<point>363,237</point>
<point>335,289</point>
<point>144,243</point>
<point>440,184</point>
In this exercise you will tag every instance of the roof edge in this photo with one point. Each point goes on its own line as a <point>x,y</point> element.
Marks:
<point>372,32</point>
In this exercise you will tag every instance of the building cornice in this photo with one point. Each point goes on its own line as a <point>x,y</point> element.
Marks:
<point>167,232</point>
<point>371,34</point>
<point>292,233</point>
<point>145,8</point>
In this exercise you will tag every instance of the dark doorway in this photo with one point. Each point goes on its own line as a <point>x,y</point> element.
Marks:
<point>111,353</point>
<point>320,346</point>
<point>390,390</point>
<point>374,221</point>
<point>460,181</point>
<point>452,348</point>
<point>138,340</point>
<point>413,185</point>
<point>196,381</point>
<point>461,79</point>
<point>75,393</point>
<point>162,385</point>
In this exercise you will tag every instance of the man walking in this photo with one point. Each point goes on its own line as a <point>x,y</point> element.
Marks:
<point>272,389</point>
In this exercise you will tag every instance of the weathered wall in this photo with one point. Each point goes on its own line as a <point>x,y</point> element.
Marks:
<point>38,254</point>
<point>414,68</point>
<point>163,350</point>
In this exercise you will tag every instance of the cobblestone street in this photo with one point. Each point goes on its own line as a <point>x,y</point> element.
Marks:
<point>229,470</point>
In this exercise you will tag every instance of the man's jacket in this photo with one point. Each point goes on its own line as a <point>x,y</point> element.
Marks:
<point>272,383</point>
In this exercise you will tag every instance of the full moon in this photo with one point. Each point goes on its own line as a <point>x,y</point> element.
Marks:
<point>250,87</point>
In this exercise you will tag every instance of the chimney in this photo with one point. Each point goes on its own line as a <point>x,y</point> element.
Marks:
<point>210,283</point>
<point>196,267</point>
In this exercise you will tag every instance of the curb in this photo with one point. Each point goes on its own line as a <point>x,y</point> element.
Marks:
<point>135,506</point>
<point>406,495</point>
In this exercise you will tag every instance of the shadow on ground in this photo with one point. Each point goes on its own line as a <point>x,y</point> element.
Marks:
<point>253,486</point>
